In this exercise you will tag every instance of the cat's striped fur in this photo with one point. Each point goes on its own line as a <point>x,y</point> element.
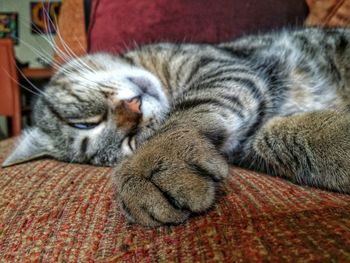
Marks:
<point>277,103</point>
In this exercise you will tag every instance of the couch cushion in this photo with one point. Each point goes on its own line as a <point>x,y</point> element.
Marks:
<point>118,25</point>
<point>53,211</point>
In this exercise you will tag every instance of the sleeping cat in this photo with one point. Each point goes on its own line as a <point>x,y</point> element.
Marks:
<point>171,117</point>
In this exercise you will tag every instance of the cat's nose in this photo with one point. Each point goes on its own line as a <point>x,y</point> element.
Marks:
<point>134,104</point>
<point>129,114</point>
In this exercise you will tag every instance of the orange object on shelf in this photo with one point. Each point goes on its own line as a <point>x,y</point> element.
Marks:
<point>9,88</point>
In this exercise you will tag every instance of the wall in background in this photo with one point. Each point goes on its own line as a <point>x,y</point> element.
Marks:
<point>24,52</point>
<point>28,41</point>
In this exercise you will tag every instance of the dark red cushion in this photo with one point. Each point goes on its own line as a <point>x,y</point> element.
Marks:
<point>118,25</point>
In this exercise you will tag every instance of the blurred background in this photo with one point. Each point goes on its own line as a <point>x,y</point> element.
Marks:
<point>28,31</point>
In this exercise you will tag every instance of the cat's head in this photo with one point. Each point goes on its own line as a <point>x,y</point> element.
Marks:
<point>96,109</point>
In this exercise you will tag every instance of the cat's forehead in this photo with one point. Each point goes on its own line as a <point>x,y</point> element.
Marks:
<point>98,83</point>
<point>95,62</point>
<point>95,70</point>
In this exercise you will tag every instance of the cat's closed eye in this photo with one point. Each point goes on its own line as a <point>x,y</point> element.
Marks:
<point>84,126</point>
<point>87,123</point>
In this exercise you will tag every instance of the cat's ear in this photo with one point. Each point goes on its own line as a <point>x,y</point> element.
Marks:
<point>32,145</point>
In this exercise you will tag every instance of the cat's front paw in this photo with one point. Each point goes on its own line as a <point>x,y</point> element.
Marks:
<point>171,177</point>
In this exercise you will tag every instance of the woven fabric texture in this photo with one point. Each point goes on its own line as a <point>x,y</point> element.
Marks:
<point>52,211</point>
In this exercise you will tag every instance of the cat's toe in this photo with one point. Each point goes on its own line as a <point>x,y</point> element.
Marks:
<point>186,189</point>
<point>147,204</point>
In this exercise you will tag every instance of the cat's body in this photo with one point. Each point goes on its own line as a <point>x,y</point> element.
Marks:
<point>279,75</point>
<point>262,102</point>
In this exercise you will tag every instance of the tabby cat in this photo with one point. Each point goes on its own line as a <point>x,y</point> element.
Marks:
<point>171,117</point>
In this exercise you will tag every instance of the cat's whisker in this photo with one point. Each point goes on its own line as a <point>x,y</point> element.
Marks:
<point>80,44</point>
<point>37,52</point>
<point>53,64</point>
<point>63,55</point>
<point>74,157</point>
<point>21,85</point>
<point>41,53</point>
<point>128,47</point>
<point>44,54</point>
<point>79,60</point>
<point>68,50</point>
<point>30,82</point>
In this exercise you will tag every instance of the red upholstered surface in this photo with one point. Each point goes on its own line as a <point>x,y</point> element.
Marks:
<point>53,211</point>
<point>117,25</point>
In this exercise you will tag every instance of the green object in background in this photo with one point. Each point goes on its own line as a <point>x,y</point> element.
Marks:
<point>9,25</point>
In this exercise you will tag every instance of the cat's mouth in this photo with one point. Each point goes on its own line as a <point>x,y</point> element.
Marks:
<point>129,145</point>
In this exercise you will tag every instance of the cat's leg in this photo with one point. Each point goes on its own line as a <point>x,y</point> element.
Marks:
<point>309,148</point>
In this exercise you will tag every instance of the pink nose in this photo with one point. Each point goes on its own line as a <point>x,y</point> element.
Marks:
<point>134,104</point>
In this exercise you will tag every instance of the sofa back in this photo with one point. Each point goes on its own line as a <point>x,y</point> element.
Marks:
<point>117,25</point>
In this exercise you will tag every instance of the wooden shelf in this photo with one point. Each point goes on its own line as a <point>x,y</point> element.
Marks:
<point>38,73</point>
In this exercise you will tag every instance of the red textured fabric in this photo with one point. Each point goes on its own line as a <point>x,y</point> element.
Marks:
<point>59,212</point>
<point>118,25</point>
